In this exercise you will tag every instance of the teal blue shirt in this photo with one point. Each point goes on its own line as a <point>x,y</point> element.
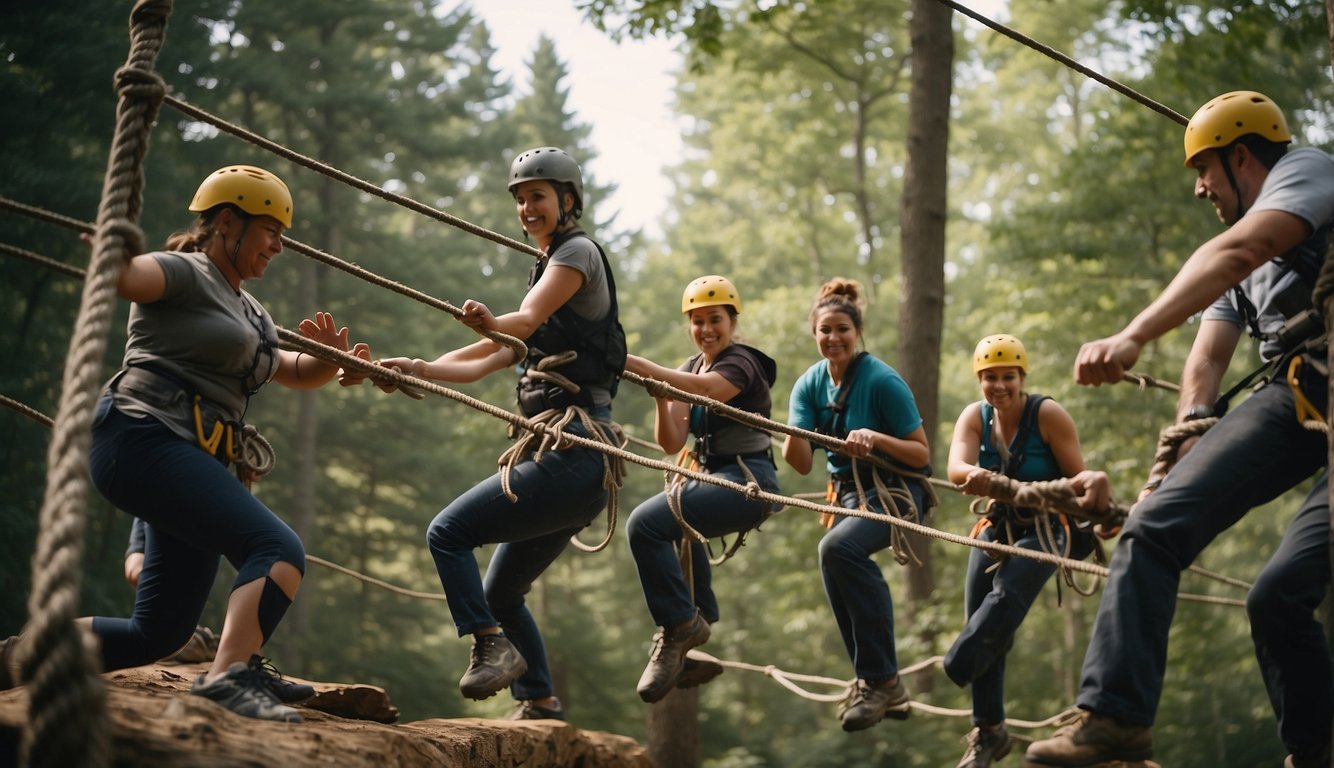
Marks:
<point>1038,463</point>
<point>879,400</point>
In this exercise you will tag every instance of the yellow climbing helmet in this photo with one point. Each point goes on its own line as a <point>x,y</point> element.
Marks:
<point>999,351</point>
<point>710,291</point>
<point>1228,117</point>
<point>253,190</point>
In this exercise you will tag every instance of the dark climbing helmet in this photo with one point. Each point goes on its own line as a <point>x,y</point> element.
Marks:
<point>551,164</point>
<point>1228,117</point>
<point>253,190</point>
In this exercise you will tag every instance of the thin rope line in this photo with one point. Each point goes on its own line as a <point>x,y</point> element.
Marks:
<point>1069,62</point>
<point>347,178</point>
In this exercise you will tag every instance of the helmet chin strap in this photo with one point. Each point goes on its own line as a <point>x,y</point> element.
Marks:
<point>236,252</point>
<point>1223,154</point>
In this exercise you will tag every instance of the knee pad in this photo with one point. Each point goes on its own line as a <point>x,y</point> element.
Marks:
<point>273,605</point>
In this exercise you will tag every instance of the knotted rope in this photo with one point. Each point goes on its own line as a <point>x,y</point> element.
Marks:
<point>67,722</point>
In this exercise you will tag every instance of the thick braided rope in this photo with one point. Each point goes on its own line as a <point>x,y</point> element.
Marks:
<point>67,722</point>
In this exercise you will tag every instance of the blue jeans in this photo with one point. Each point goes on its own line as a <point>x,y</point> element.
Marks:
<point>1251,456</point>
<point>995,604</point>
<point>709,509</point>
<point>557,497</point>
<point>194,510</point>
<point>856,588</point>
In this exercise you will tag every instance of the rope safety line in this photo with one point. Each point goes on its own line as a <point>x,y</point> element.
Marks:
<point>1055,496</point>
<point>1052,53</point>
<point>352,181</point>
<point>519,347</point>
<point>42,418</point>
<point>67,720</point>
<point>649,384</point>
<point>309,346</point>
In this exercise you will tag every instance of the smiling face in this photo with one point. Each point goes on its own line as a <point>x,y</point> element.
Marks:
<point>1001,386</point>
<point>711,329</point>
<point>836,336</point>
<point>260,239</point>
<point>538,206</point>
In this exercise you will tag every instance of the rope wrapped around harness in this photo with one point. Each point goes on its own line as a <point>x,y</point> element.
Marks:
<point>547,430</point>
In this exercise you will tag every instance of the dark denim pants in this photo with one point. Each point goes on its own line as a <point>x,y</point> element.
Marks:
<point>1251,456</point>
<point>195,510</point>
<point>995,604</point>
<point>856,588</point>
<point>558,496</point>
<point>709,509</point>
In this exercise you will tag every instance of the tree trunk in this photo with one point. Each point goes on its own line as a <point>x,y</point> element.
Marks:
<point>922,238</point>
<point>673,730</point>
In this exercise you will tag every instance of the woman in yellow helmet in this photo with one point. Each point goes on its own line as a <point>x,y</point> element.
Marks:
<point>1025,437</point>
<point>739,376</point>
<point>164,435</point>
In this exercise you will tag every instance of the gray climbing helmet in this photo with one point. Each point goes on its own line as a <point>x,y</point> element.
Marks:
<point>551,164</point>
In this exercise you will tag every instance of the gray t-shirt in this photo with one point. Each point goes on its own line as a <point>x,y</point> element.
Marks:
<point>202,334</point>
<point>1300,183</point>
<point>593,299</point>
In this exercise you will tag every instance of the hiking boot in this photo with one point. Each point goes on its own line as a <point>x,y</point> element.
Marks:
<point>527,710</point>
<point>866,704</point>
<point>1090,740</point>
<point>985,747</point>
<point>245,692</point>
<point>668,658</point>
<point>201,647</point>
<point>283,690</point>
<point>696,672</point>
<point>495,664</point>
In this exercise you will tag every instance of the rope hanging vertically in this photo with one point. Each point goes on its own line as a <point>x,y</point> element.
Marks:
<point>67,720</point>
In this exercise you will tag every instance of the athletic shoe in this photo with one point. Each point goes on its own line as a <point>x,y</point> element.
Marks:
<point>985,747</point>
<point>1090,740</point>
<point>866,704</point>
<point>668,658</point>
<point>245,692</point>
<point>283,690</point>
<point>494,665</point>
<point>527,710</point>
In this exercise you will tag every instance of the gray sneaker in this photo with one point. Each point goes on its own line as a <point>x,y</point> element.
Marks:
<point>494,665</point>
<point>1092,739</point>
<point>668,658</point>
<point>866,704</point>
<point>245,692</point>
<point>985,747</point>
<point>283,690</point>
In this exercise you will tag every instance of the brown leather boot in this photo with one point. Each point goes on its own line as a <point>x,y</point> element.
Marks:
<point>1092,739</point>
